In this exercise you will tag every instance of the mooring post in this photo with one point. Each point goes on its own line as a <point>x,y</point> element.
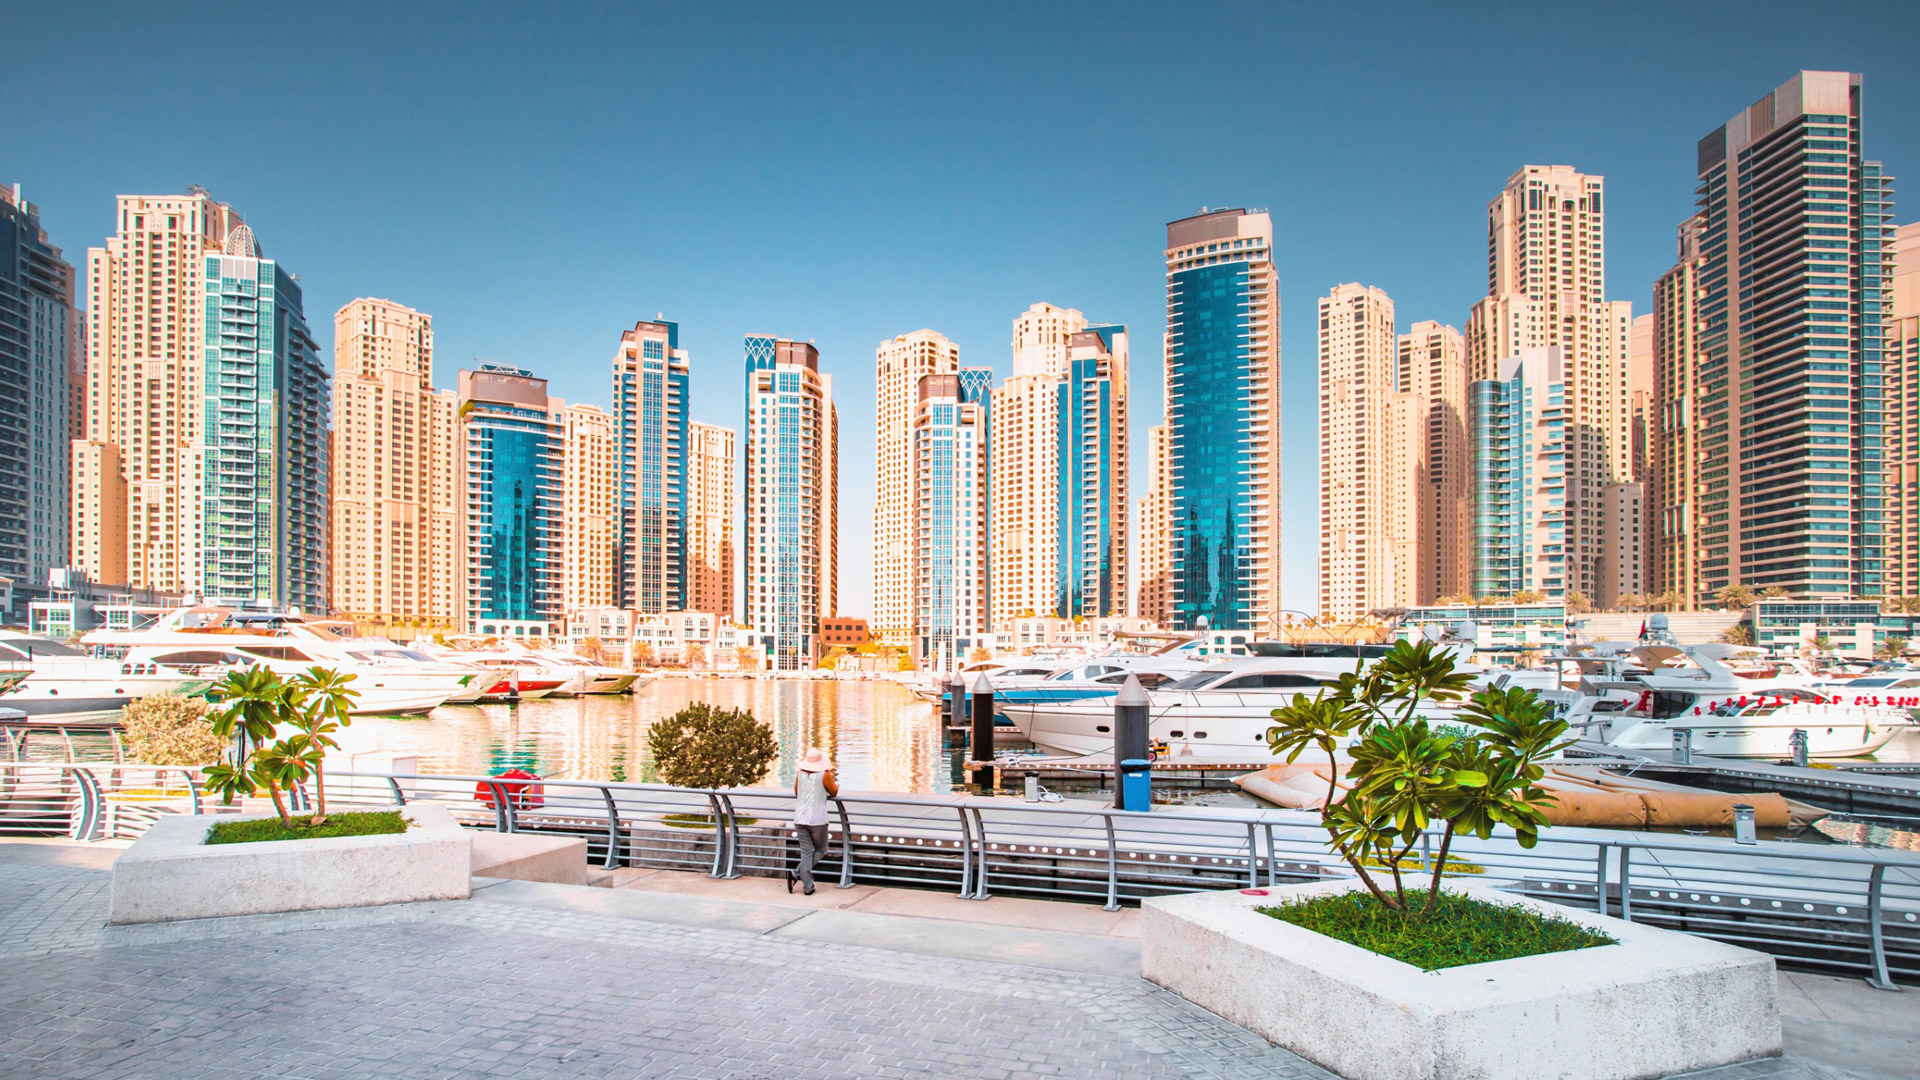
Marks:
<point>955,708</point>
<point>982,742</point>
<point>1129,734</point>
<point>1797,740</point>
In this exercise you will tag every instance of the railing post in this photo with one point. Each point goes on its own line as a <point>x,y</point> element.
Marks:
<point>86,825</point>
<point>966,854</point>
<point>1273,858</point>
<point>733,839</point>
<point>1600,880</point>
<point>1113,866</point>
<point>1253,857</point>
<point>1426,851</point>
<point>1626,883</point>
<point>719,836</point>
<point>1876,931</point>
<point>980,869</point>
<point>612,861</point>
<point>502,817</point>
<point>399,796</point>
<point>846,845</point>
<point>193,790</point>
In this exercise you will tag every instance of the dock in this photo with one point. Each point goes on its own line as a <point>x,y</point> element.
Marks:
<point>1873,789</point>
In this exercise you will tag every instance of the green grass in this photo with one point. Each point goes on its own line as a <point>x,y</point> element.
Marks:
<point>364,823</point>
<point>1460,930</point>
<point>699,821</point>
<point>1411,864</point>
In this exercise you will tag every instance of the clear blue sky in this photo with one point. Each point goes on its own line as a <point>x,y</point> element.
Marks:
<point>539,177</point>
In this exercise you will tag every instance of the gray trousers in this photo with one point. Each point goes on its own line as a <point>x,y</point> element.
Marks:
<point>813,842</point>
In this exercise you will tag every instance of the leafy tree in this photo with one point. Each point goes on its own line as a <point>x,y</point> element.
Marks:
<point>832,659</point>
<point>170,729</point>
<point>1739,633</point>
<point>1735,597</point>
<point>704,746</point>
<point>256,705</point>
<point>1406,775</point>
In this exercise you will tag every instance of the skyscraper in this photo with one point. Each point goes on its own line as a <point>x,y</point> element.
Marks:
<point>393,482</point>
<point>1673,495</point>
<point>792,481</point>
<point>1791,275</point>
<point>1520,422</point>
<point>39,363</point>
<point>711,519</point>
<point>1025,465</point>
<point>511,451</point>
<point>1223,421</point>
<point>589,508</point>
<point>1546,287</point>
<point>1427,466</point>
<point>262,457</point>
<point>1091,437</point>
<point>1358,361</point>
<point>1152,544</point>
<point>950,448</point>
<point>650,377</point>
<point>899,365</point>
<point>145,344</point>
<point>1901,400</point>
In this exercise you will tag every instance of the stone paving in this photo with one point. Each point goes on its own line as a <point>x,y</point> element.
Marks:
<point>471,989</point>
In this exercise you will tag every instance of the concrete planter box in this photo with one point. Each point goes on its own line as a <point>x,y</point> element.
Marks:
<point>171,873</point>
<point>1657,1003</point>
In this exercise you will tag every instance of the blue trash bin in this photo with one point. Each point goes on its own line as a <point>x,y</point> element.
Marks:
<point>1136,784</point>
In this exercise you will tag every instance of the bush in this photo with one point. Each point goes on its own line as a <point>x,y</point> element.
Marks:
<point>170,729</point>
<point>702,746</point>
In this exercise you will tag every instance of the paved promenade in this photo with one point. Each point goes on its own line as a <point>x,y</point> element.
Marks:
<point>665,976</point>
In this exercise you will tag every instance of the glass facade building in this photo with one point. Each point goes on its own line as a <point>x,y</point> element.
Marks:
<point>650,376</point>
<point>1518,436</point>
<point>39,354</point>
<point>1091,426</point>
<point>264,446</point>
<point>511,447</point>
<point>950,449</point>
<point>792,483</point>
<point>1223,421</point>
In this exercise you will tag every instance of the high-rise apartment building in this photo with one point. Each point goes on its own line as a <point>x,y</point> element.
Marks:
<point>791,535</point>
<point>1091,439</point>
<point>1025,465</point>
<point>145,360</point>
<point>1673,480</point>
<point>1901,401</point>
<point>899,365</point>
<point>711,518</point>
<point>1519,422</point>
<point>393,479</point>
<point>1041,335</point>
<point>1358,360</point>
<point>1546,287</point>
<point>589,508</point>
<point>650,376</point>
<point>950,449</point>
<point>1428,467</point>
<point>40,364</point>
<point>1793,240</point>
<point>262,459</point>
<point>512,454</point>
<point>1152,544</point>
<point>1223,421</point>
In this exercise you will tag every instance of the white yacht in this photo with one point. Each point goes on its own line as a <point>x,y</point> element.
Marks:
<point>286,645</point>
<point>52,679</point>
<point>585,676</point>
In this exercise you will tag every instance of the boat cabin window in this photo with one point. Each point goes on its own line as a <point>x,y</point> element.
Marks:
<point>1148,679</point>
<point>1270,680</point>
<point>275,652</point>
<point>1197,680</point>
<point>1668,704</point>
<point>1028,671</point>
<point>199,656</point>
<point>1091,671</point>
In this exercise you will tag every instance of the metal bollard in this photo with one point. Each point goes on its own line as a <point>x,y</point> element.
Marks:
<point>1797,739</point>
<point>1033,788</point>
<point>983,730</point>
<point>1130,723</point>
<point>1683,746</point>
<point>1743,824</point>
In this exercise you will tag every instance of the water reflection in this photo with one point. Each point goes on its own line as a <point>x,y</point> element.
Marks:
<point>880,736</point>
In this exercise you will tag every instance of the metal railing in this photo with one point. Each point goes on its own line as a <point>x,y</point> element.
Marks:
<point>1835,908</point>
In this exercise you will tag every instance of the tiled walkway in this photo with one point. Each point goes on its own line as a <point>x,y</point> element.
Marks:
<point>502,986</point>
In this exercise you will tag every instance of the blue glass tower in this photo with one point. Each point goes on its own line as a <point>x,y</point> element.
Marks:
<point>1223,421</point>
<point>1518,449</point>
<point>510,448</point>
<point>39,340</point>
<point>650,377</point>
<point>264,447</point>
<point>1091,440</point>
<point>792,480</point>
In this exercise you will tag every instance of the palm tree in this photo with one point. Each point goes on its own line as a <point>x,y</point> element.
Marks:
<point>1739,633</point>
<point>1528,596</point>
<point>1578,604</point>
<point>1735,598</point>
<point>322,704</point>
<point>696,656</point>
<point>1893,648</point>
<point>1632,601</point>
<point>1774,592</point>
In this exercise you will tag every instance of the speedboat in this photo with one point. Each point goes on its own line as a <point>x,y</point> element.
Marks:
<point>1761,726</point>
<point>287,645</point>
<point>47,678</point>
<point>587,676</point>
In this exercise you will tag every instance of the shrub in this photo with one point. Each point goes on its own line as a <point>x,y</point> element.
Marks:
<point>702,746</point>
<point>170,729</point>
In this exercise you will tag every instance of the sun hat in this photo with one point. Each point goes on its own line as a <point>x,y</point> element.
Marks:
<point>815,760</point>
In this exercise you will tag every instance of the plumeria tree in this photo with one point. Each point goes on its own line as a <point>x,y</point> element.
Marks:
<point>1406,775</point>
<point>253,707</point>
